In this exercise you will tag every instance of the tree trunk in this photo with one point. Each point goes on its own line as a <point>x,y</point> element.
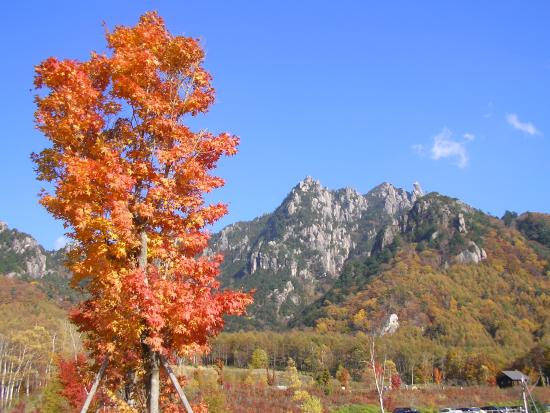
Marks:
<point>176,384</point>
<point>379,377</point>
<point>152,361</point>
<point>154,381</point>
<point>93,390</point>
<point>143,255</point>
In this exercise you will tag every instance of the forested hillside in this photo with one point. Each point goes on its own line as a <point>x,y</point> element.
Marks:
<point>22,257</point>
<point>34,332</point>
<point>468,293</point>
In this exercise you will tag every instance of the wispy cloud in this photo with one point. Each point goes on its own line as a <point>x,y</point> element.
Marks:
<point>446,147</point>
<point>516,123</point>
<point>60,242</point>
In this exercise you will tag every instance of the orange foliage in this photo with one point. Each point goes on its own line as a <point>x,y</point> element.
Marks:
<point>124,165</point>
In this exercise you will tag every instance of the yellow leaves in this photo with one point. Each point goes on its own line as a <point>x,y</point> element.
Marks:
<point>119,250</point>
<point>114,180</point>
<point>360,320</point>
<point>120,405</point>
<point>110,347</point>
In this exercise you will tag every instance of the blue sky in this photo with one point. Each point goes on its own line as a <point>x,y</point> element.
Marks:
<point>453,94</point>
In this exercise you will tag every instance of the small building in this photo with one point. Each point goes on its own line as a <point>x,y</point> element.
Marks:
<point>509,378</point>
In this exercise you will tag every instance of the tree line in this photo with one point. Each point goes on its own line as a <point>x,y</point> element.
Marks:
<point>417,360</point>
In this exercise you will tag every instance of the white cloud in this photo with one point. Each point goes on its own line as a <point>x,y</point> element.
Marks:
<point>516,123</point>
<point>445,147</point>
<point>60,242</point>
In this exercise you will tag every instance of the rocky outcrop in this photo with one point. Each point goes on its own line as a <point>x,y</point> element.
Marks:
<point>461,223</point>
<point>417,192</point>
<point>386,236</point>
<point>283,294</point>
<point>472,255</point>
<point>391,325</point>
<point>393,200</point>
<point>437,212</point>
<point>308,239</point>
<point>21,255</point>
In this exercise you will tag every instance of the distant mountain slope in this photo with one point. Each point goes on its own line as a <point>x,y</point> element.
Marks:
<point>342,261</point>
<point>462,278</point>
<point>295,254</point>
<point>337,260</point>
<point>535,226</point>
<point>21,256</point>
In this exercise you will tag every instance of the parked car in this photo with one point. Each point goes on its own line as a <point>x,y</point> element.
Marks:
<point>449,410</point>
<point>494,409</point>
<point>405,410</point>
<point>471,410</point>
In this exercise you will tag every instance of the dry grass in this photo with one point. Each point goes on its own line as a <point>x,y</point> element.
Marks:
<point>245,391</point>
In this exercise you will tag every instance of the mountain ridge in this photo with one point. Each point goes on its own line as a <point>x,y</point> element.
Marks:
<point>450,275</point>
<point>320,248</point>
<point>295,254</point>
<point>22,257</point>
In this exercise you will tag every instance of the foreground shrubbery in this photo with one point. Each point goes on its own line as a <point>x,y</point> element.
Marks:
<point>357,408</point>
<point>243,391</point>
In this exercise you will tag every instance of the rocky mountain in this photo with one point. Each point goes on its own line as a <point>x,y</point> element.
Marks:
<point>294,255</point>
<point>388,261</point>
<point>314,259</point>
<point>21,256</point>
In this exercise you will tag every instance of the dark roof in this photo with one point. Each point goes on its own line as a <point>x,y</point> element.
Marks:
<point>516,375</point>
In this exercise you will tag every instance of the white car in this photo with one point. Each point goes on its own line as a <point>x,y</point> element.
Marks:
<point>449,410</point>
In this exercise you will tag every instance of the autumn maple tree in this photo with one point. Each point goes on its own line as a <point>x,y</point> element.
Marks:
<point>128,179</point>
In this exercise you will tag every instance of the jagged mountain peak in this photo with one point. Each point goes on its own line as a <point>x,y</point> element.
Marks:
<point>294,255</point>
<point>309,183</point>
<point>299,253</point>
<point>391,199</point>
<point>386,189</point>
<point>21,255</point>
<point>417,190</point>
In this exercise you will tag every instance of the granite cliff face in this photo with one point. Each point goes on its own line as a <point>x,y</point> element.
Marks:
<point>295,254</point>
<point>22,256</point>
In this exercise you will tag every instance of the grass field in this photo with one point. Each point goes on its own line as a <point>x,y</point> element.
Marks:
<point>246,391</point>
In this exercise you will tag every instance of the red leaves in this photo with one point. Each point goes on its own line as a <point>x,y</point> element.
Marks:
<point>144,172</point>
<point>395,381</point>
<point>71,377</point>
